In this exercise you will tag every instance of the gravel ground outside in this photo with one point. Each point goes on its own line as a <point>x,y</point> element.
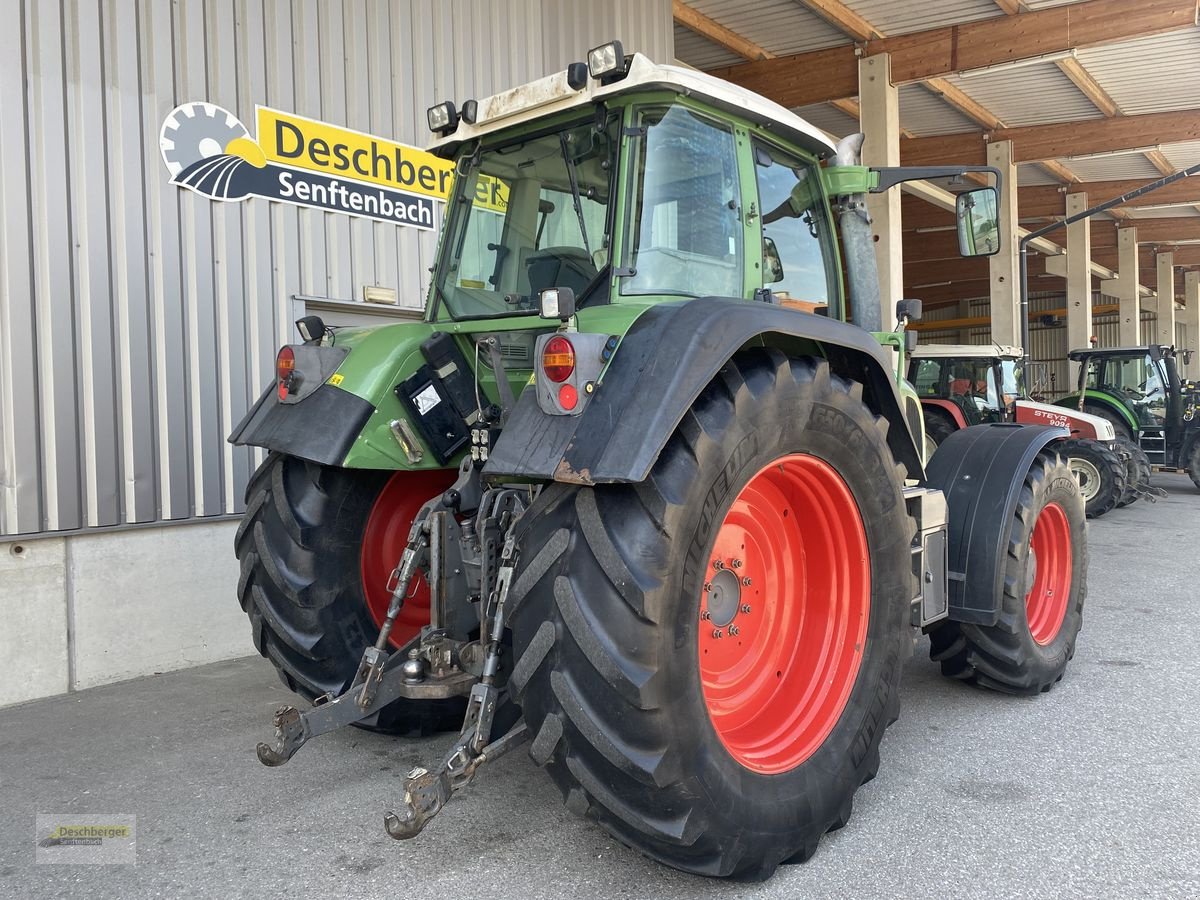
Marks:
<point>1091,790</point>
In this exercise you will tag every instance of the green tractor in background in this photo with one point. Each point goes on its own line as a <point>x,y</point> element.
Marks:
<point>645,491</point>
<point>1139,390</point>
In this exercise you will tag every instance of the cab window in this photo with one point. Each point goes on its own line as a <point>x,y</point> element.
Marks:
<point>687,231</point>
<point>796,238</point>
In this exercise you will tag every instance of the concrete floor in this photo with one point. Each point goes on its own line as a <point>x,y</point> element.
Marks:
<point>1090,790</point>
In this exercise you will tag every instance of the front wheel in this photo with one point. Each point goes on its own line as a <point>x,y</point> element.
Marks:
<point>1137,473</point>
<point>708,659</point>
<point>1045,581</point>
<point>1193,469</point>
<point>1100,471</point>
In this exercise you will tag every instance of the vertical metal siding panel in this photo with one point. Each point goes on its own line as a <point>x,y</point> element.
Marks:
<point>90,255</point>
<point>306,73</point>
<point>199,262</point>
<point>417,41</point>
<point>286,264</point>
<point>228,361</point>
<point>335,55</point>
<point>381,82</point>
<point>356,89</point>
<point>256,226</point>
<point>53,276</point>
<point>21,507</point>
<point>127,161</point>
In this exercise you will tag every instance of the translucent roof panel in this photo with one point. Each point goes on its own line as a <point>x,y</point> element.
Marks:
<point>829,118</point>
<point>894,17</point>
<point>781,26</point>
<point>924,112</point>
<point>700,52</point>
<point>1106,168</point>
<point>1184,155</point>
<point>1037,94</point>
<point>1147,75</point>
<point>1032,173</point>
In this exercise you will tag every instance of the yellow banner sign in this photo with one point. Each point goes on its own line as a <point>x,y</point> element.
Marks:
<point>320,147</point>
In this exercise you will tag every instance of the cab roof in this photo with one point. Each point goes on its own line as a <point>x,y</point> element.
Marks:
<point>552,94</point>
<point>1085,352</point>
<point>971,351</point>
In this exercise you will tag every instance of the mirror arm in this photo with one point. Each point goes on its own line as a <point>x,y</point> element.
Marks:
<point>890,176</point>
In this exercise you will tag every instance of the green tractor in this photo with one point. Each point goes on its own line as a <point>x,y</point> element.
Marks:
<point>644,490</point>
<point>1138,390</point>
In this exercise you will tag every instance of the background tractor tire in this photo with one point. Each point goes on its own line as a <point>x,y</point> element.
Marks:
<point>1100,471</point>
<point>938,427</point>
<point>1193,468</point>
<point>641,713</point>
<point>1137,475</point>
<point>1045,582</point>
<point>303,557</point>
<point>1120,426</point>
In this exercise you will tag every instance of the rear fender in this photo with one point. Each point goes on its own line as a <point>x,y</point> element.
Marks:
<point>666,359</point>
<point>981,470</point>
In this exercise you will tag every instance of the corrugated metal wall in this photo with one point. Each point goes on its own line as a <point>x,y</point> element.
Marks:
<point>137,320</point>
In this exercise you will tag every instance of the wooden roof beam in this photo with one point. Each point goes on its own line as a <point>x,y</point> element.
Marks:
<point>832,74</point>
<point>1049,200</point>
<point>1036,143</point>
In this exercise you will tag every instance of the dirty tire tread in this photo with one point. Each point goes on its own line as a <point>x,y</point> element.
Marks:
<point>300,583</point>
<point>1004,657</point>
<point>611,684</point>
<point>1194,464</point>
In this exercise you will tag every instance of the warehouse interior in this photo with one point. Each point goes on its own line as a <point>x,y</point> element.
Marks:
<point>138,322</point>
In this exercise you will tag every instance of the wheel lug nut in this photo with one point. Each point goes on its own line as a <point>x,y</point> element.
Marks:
<point>718,633</point>
<point>737,563</point>
<point>707,586</point>
<point>745,607</point>
<point>733,630</point>
<point>705,615</point>
<point>718,564</point>
<point>746,581</point>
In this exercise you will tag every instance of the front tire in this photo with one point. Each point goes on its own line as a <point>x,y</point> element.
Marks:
<point>1045,582</point>
<point>1194,464</point>
<point>1101,473</point>
<point>309,580</point>
<point>722,756</point>
<point>1137,474</point>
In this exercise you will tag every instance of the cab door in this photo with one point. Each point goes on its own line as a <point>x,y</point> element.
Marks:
<point>799,250</point>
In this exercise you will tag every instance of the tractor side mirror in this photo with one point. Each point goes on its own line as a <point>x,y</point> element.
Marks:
<point>1187,357</point>
<point>908,310</point>
<point>978,216</point>
<point>772,264</point>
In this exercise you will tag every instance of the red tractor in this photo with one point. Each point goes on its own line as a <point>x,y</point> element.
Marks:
<point>966,384</point>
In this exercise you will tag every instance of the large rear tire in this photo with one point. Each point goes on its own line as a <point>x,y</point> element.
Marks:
<point>1101,473</point>
<point>938,426</point>
<point>1137,474</point>
<point>722,755</point>
<point>1194,464</point>
<point>311,584</point>
<point>1045,582</point>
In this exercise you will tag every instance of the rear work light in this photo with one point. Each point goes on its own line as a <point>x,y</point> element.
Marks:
<point>285,370</point>
<point>558,359</point>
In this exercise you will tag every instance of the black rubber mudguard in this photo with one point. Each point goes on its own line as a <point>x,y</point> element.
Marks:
<point>981,470</point>
<point>321,427</point>
<point>665,360</point>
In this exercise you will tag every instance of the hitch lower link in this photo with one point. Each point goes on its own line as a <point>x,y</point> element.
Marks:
<point>383,678</point>
<point>425,791</point>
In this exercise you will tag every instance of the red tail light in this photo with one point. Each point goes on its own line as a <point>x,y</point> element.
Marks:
<point>285,366</point>
<point>558,359</point>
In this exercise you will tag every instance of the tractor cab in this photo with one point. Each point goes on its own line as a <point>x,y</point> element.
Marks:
<point>972,385</point>
<point>1139,390</point>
